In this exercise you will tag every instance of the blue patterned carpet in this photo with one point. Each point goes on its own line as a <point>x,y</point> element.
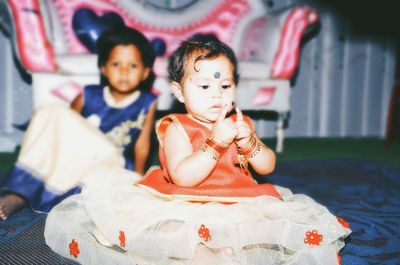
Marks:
<point>365,193</point>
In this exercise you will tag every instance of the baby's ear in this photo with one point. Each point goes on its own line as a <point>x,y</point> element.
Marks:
<point>177,90</point>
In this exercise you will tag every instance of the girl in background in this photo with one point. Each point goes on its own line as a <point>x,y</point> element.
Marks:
<point>119,105</point>
<point>202,206</point>
<point>59,146</point>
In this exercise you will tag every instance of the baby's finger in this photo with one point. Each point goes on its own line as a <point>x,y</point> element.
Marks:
<point>223,112</point>
<point>239,114</point>
<point>243,131</point>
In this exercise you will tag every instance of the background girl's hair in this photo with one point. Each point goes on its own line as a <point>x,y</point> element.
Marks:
<point>205,49</point>
<point>126,36</point>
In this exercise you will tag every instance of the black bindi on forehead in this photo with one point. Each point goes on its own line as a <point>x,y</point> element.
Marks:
<point>217,75</point>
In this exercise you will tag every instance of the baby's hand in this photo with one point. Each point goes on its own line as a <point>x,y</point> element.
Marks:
<point>244,133</point>
<point>224,129</point>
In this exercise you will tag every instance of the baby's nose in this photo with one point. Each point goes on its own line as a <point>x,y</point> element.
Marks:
<point>217,92</point>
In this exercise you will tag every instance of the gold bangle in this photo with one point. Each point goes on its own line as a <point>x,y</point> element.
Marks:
<point>249,143</point>
<point>216,146</point>
<point>214,154</point>
<point>248,147</point>
<point>219,143</point>
<point>255,151</point>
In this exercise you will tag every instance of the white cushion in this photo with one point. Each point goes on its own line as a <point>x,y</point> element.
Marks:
<point>77,64</point>
<point>254,70</point>
<point>56,88</point>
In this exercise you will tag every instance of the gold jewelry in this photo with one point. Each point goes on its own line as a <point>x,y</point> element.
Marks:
<point>248,151</point>
<point>214,147</point>
<point>219,143</point>
<point>248,147</point>
<point>243,163</point>
<point>214,153</point>
<point>255,151</point>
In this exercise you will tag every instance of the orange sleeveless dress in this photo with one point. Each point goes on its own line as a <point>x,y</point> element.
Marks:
<point>228,182</point>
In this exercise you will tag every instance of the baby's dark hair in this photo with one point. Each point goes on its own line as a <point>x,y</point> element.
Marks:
<point>203,49</point>
<point>126,36</point>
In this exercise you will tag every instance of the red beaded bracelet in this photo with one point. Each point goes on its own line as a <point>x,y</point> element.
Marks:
<point>248,147</point>
<point>216,148</point>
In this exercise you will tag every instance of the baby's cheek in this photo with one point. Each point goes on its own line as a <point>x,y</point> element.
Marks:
<point>228,100</point>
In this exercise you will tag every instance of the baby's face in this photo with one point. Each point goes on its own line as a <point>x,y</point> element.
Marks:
<point>207,90</point>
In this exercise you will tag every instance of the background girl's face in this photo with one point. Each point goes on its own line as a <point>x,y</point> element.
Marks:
<point>207,90</point>
<point>124,70</point>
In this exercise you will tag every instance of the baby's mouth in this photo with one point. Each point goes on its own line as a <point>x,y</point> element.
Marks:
<point>216,108</point>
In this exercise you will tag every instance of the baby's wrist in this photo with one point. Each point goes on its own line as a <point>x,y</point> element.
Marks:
<point>245,143</point>
<point>214,147</point>
<point>217,141</point>
<point>249,148</point>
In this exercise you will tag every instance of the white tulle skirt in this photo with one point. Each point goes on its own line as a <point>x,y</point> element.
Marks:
<point>144,229</point>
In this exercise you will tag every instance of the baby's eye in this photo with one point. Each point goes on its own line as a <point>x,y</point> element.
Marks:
<point>205,86</point>
<point>114,64</point>
<point>226,86</point>
<point>133,65</point>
